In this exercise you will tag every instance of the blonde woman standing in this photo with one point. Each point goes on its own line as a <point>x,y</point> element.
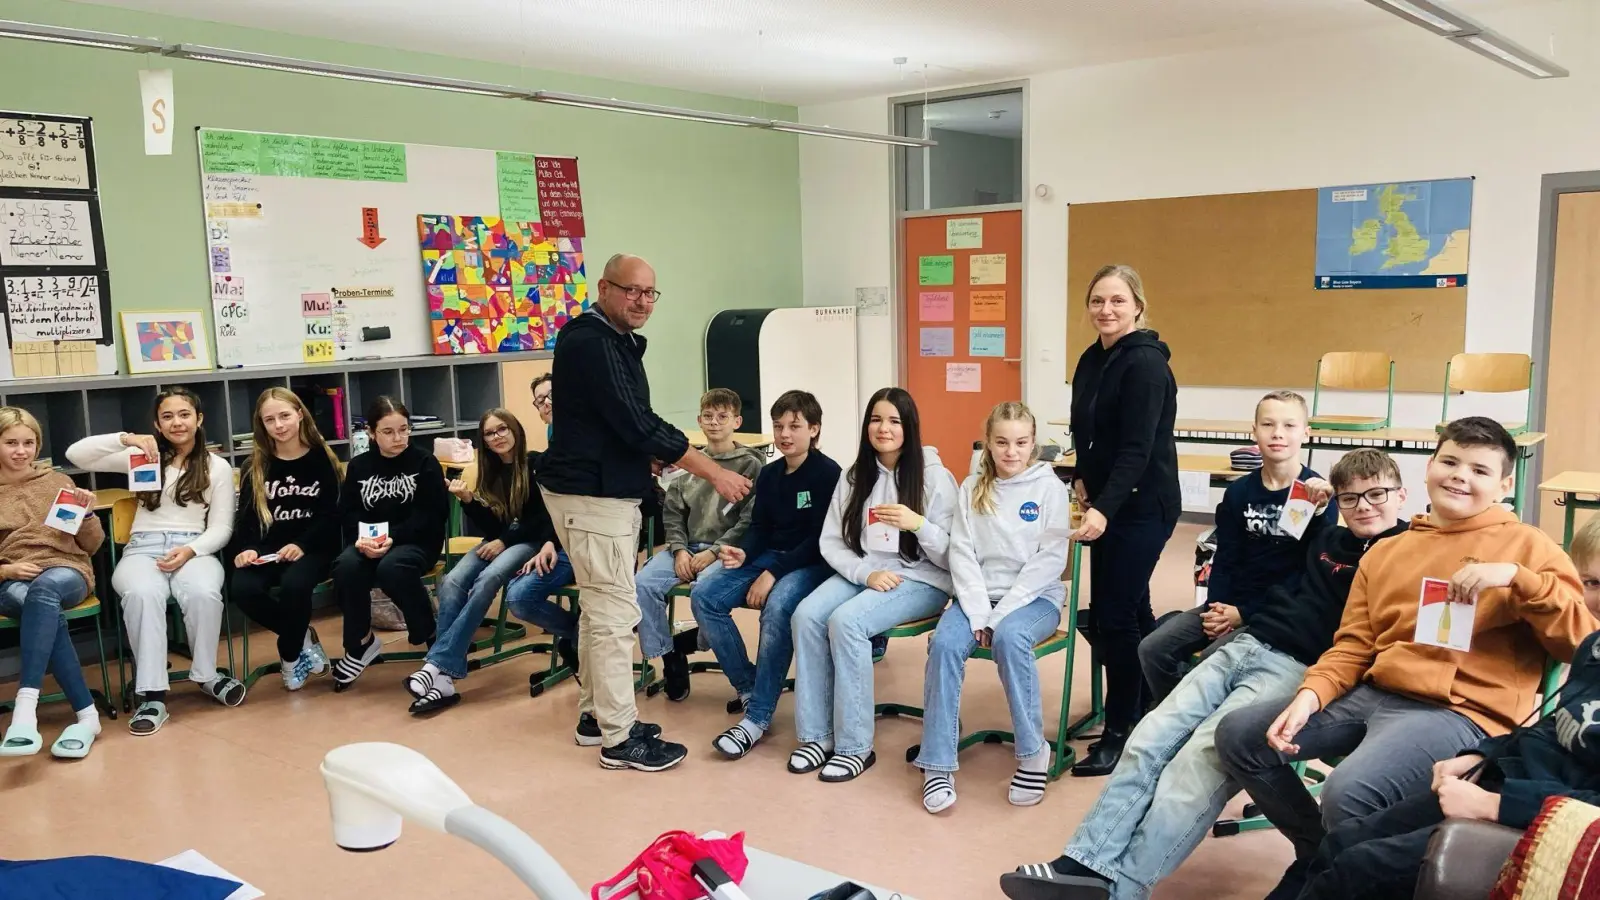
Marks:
<point>1008,547</point>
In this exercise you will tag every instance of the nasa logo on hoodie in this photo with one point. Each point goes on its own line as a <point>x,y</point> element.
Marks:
<point>1029,512</point>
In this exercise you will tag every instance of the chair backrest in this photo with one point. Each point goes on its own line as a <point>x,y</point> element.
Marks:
<point>1355,370</point>
<point>122,513</point>
<point>1489,373</point>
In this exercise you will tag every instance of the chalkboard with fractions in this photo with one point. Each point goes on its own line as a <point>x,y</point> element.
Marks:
<point>55,290</point>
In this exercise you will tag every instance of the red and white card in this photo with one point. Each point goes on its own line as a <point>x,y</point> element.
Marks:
<point>880,535</point>
<point>1442,622</point>
<point>144,473</point>
<point>1297,511</point>
<point>65,514</point>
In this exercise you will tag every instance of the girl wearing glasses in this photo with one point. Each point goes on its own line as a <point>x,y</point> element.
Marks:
<point>393,510</point>
<point>510,514</point>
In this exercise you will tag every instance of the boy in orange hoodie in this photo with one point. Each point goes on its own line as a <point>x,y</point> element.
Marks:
<point>1388,696</point>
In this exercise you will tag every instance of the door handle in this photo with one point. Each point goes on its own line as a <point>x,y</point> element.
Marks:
<point>1012,359</point>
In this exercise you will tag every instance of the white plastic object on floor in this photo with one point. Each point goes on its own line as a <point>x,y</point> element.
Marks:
<point>374,787</point>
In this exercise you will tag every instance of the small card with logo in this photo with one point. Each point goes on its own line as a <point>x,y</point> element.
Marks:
<point>880,535</point>
<point>1297,511</point>
<point>377,531</point>
<point>144,473</point>
<point>65,514</point>
<point>1441,622</point>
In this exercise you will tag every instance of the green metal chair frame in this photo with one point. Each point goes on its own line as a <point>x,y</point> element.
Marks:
<point>1346,423</point>
<point>90,608</point>
<point>1515,428</point>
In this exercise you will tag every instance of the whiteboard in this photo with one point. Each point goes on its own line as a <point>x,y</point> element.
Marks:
<point>788,346</point>
<point>312,243</point>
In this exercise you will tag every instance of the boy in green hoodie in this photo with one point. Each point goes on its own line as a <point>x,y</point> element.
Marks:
<point>698,524</point>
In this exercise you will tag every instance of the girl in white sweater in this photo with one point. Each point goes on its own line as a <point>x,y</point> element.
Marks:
<point>176,535</point>
<point>1008,547</point>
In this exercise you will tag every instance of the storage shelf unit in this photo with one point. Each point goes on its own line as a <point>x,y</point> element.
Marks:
<point>454,389</point>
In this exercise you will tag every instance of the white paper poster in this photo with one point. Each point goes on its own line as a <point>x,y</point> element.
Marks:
<point>155,92</point>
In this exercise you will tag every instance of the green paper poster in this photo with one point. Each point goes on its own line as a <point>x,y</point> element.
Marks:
<point>936,270</point>
<point>519,190</point>
<point>383,162</point>
<point>963,234</point>
<point>287,155</point>
<point>332,158</point>
<point>230,152</point>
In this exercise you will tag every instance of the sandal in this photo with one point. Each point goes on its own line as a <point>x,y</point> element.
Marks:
<point>419,683</point>
<point>734,743</point>
<point>807,759</point>
<point>21,741</point>
<point>844,767</point>
<point>225,689</point>
<point>148,718</point>
<point>434,701</point>
<point>74,742</point>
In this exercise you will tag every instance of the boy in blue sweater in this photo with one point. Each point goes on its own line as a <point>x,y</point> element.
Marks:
<point>1254,552</point>
<point>776,565</point>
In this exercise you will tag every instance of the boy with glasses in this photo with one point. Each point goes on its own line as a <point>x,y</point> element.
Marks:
<point>697,523</point>
<point>1168,788</point>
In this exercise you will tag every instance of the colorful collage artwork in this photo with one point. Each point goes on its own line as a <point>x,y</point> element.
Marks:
<point>496,286</point>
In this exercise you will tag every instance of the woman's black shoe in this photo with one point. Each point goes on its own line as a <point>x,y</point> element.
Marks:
<point>1102,756</point>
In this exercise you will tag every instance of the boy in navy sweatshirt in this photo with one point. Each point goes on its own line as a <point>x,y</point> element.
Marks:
<point>1504,779</point>
<point>1254,552</point>
<point>776,565</point>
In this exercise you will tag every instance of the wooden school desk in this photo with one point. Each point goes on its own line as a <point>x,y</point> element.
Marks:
<point>758,441</point>
<point>1217,466</point>
<point>1398,441</point>
<point>1569,485</point>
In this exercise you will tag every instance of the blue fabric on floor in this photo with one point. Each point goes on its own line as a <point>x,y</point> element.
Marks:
<point>103,877</point>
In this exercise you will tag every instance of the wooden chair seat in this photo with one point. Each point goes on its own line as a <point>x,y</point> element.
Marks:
<point>461,546</point>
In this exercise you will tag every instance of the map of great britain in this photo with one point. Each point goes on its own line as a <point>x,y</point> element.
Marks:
<point>1405,234</point>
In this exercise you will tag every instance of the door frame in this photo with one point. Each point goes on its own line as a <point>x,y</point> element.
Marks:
<point>1551,187</point>
<point>897,284</point>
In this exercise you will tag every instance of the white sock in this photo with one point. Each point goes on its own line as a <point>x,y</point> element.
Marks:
<point>1028,784</point>
<point>26,711</point>
<point>938,791</point>
<point>89,717</point>
<point>751,730</point>
<point>433,670</point>
<point>443,683</point>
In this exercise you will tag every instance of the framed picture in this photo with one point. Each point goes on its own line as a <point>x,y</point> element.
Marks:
<point>165,341</point>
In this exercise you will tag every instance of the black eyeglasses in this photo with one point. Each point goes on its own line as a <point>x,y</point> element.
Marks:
<point>1374,496</point>
<point>634,293</point>
<point>502,431</point>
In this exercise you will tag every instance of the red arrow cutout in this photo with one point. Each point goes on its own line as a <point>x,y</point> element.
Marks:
<point>369,228</point>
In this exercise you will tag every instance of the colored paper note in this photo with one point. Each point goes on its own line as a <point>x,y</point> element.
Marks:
<point>316,304</point>
<point>317,351</point>
<point>518,187</point>
<point>383,162</point>
<point>331,158</point>
<point>938,342</point>
<point>936,306</point>
<point>221,258</point>
<point>986,306</point>
<point>936,270</point>
<point>987,268</point>
<point>986,340</point>
<point>230,151</point>
<point>286,155</point>
<point>963,234</point>
<point>963,378</point>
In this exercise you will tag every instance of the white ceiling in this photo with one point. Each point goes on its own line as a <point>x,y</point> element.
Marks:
<point>798,51</point>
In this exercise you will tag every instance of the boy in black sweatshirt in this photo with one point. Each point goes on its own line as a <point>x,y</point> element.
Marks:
<point>399,488</point>
<point>1254,552</point>
<point>776,565</point>
<point>1504,779</point>
<point>1168,787</point>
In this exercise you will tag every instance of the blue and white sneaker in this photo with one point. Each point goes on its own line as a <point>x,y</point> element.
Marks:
<point>295,673</point>
<point>318,656</point>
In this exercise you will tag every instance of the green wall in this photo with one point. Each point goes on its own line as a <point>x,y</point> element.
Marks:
<point>716,209</point>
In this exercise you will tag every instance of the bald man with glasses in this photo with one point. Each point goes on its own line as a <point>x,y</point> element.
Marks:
<point>593,477</point>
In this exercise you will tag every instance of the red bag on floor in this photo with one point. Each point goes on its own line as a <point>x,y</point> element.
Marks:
<point>662,871</point>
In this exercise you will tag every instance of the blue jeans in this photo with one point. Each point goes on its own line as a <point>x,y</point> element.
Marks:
<point>464,598</point>
<point>1170,786</point>
<point>46,647</point>
<point>719,592</point>
<point>833,629</point>
<point>652,583</point>
<point>529,599</point>
<point>1012,646</point>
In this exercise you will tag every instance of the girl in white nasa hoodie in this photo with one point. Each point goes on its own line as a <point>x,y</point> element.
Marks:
<point>1008,547</point>
<point>887,536</point>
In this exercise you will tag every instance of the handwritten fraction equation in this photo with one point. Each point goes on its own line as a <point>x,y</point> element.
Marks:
<point>54,307</point>
<point>46,233</point>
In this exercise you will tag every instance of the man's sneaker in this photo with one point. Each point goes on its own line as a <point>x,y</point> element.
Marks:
<point>647,754</point>
<point>588,731</point>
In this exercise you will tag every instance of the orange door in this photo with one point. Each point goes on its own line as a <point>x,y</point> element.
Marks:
<point>962,305</point>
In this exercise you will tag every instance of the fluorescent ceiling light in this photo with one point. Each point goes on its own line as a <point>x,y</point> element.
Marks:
<point>1509,54</point>
<point>348,73</point>
<point>28,31</point>
<point>825,131</point>
<point>1435,17</point>
<point>645,109</point>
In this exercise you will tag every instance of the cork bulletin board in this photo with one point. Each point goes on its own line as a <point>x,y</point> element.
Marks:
<point>1230,284</point>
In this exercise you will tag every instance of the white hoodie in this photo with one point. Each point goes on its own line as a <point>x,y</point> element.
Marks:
<point>938,505</point>
<point>1004,561</point>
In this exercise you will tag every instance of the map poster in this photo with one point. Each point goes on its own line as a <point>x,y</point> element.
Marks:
<point>1396,235</point>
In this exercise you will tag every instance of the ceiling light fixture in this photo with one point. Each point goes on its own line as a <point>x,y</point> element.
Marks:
<point>332,70</point>
<point>869,137</point>
<point>52,34</point>
<point>645,109</point>
<point>1446,22</point>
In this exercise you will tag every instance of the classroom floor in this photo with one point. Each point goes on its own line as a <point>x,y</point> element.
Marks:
<point>241,786</point>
